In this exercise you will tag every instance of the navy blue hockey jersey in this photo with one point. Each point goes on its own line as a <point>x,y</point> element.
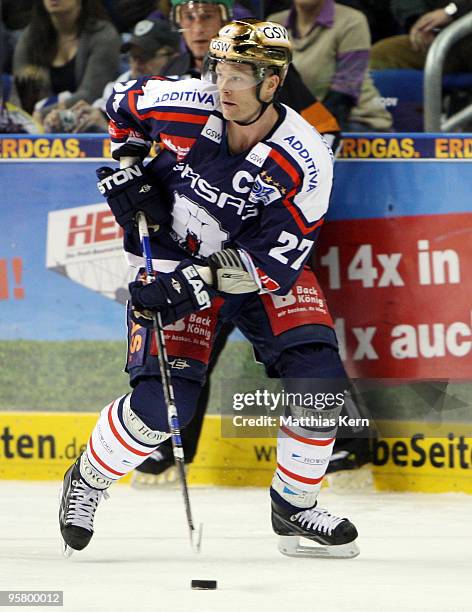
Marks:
<point>268,201</point>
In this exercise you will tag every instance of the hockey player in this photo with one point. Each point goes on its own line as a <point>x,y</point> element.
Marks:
<point>199,22</point>
<point>242,185</point>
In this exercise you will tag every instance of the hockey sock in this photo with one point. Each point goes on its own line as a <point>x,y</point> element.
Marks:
<point>302,461</point>
<point>306,439</point>
<point>131,428</point>
<point>119,442</point>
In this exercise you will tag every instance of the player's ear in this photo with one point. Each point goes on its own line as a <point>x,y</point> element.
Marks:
<point>271,85</point>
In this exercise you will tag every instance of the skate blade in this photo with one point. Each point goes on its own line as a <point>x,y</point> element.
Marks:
<point>66,549</point>
<point>291,547</point>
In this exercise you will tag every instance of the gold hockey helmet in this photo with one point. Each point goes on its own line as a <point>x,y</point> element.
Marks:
<point>262,44</point>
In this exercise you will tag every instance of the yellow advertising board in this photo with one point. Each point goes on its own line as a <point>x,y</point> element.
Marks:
<point>40,446</point>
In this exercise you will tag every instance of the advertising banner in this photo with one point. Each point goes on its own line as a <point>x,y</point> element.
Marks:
<point>400,292</point>
<point>393,260</point>
<point>86,245</point>
<point>38,300</point>
<point>41,446</point>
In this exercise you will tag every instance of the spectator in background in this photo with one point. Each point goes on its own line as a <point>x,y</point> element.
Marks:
<point>66,54</point>
<point>331,46</point>
<point>409,51</point>
<point>382,24</point>
<point>125,14</point>
<point>16,14</point>
<point>198,22</point>
<point>14,17</point>
<point>150,48</point>
<point>13,120</point>
<point>151,45</point>
<point>406,12</point>
<point>274,6</point>
<point>3,44</point>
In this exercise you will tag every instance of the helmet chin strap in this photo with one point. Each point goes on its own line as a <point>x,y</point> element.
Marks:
<point>264,107</point>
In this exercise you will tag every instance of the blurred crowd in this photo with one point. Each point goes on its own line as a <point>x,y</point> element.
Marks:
<point>59,59</point>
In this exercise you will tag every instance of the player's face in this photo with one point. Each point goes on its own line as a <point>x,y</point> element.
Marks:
<point>142,64</point>
<point>199,22</point>
<point>237,87</point>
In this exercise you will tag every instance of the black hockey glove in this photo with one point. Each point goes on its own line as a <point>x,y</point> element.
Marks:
<point>229,273</point>
<point>174,294</point>
<point>129,190</point>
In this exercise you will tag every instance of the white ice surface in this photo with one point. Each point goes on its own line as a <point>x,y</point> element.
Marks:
<point>416,553</point>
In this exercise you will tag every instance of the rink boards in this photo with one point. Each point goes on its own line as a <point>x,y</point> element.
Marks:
<point>40,446</point>
<point>398,240</point>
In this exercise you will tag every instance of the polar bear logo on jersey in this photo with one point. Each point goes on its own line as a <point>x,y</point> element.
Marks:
<point>198,232</point>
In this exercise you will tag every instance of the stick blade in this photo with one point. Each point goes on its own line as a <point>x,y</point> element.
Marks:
<point>196,538</point>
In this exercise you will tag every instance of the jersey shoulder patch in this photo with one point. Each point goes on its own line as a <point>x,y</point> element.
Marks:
<point>303,148</point>
<point>303,155</point>
<point>185,95</point>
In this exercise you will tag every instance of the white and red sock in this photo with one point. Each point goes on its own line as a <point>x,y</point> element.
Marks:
<point>302,460</point>
<point>119,443</point>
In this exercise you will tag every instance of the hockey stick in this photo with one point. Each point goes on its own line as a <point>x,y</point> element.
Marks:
<point>167,387</point>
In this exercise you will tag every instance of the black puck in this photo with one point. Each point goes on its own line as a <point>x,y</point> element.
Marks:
<point>204,585</point>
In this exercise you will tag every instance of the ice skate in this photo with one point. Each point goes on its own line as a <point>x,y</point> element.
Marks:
<point>336,536</point>
<point>77,510</point>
